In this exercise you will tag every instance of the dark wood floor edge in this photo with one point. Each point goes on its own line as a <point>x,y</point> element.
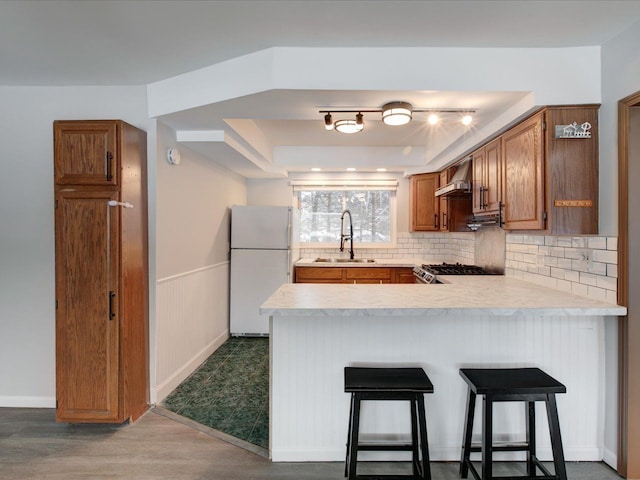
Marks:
<point>212,432</point>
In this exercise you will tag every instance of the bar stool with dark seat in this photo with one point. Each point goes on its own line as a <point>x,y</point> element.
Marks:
<point>409,384</point>
<point>528,385</point>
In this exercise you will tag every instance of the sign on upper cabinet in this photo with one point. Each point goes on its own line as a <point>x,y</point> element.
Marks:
<point>574,130</point>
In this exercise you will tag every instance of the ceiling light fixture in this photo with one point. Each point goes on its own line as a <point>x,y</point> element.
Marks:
<point>433,119</point>
<point>328,122</point>
<point>396,113</point>
<point>393,113</point>
<point>349,126</point>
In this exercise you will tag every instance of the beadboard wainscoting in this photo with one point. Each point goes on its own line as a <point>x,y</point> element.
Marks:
<point>192,322</point>
<point>309,409</point>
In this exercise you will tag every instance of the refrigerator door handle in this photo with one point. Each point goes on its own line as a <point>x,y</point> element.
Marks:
<point>289,265</point>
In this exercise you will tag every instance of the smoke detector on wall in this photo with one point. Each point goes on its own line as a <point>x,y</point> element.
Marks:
<point>173,156</point>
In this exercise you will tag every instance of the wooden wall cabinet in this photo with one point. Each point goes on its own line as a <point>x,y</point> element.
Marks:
<point>523,154</point>
<point>424,205</point>
<point>487,179</point>
<point>101,253</point>
<point>542,182</point>
<point>443,206</point>
<point>552,183</point>
<point>572,172</point>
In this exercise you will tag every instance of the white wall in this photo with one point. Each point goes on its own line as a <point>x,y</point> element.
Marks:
<point>620,78</point>
<point>193,215</point>
<point>27,289</point>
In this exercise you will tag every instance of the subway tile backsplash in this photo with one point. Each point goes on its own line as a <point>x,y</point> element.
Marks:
<point>583,265</point>
<point>423,247</point>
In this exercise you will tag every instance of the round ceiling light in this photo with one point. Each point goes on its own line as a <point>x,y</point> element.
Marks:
<point>349,126</point>
<point>396,113</point>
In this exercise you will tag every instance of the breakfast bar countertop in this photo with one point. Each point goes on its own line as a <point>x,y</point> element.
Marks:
<point>479,295</point>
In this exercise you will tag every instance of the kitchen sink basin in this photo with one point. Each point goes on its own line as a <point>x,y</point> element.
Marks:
<point>344,260</point>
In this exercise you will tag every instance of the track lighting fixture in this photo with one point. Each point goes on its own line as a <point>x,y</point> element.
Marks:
<point>393,113</point>
<point>328,122</point>
<point>396,113</point>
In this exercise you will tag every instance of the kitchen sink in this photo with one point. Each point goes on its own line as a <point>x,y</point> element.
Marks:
<point>344,260</point>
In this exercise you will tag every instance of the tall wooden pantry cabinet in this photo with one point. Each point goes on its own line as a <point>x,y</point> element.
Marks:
<point>101,252</point>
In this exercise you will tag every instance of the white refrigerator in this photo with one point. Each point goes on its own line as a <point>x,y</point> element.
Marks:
<point>264,247</point>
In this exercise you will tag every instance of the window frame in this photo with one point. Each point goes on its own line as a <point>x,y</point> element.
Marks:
<point>343,186</point>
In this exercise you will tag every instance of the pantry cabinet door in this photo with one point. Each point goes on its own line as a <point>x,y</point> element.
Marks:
<point>85,153</point>
<point>87,313</point>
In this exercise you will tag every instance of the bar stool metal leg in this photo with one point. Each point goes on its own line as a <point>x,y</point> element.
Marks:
<point>349,433</point>
<point>530,407</point>
<point>556,440</point>
<point>487,437</point>
<point>424,441</point>
<point>468,430</point>
<point>415,430</point>
<point>355,428</point>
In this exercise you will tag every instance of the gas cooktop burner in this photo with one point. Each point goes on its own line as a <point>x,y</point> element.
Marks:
<point>454,269</point>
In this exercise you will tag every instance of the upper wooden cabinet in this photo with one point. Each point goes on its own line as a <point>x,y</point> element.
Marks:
<point>543,180</point>
<point>101,256</point>
<point>445,176</point>
<point>424,205</point>
<point>572,172</point>
<point>85,153</point>
<point>523,154</point>
<point>487,179</point>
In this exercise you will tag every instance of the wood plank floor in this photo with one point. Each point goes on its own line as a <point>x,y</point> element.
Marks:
<point>159,447</point>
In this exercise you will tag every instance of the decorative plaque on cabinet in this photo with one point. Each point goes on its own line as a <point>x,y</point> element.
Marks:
<point>574,130</point>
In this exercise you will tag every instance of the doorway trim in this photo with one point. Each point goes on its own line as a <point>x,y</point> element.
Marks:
<point>628,334</point>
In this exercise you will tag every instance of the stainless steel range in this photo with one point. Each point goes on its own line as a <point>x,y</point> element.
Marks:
<point>454,269</point>
<point>428,273</point>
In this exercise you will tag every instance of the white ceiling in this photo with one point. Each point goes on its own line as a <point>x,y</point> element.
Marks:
<point>140,42</point>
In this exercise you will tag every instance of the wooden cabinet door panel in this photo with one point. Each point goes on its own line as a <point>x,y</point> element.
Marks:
<point>443,203</point>
<point>319,275</point>
<point>85,153</point>
<point>523,155</point>
<point>493,175</point>
<point>404,275</point>
<point>478,180</point>
<point>87,315</point>
<point>425,206</point>
<point>368,273</point>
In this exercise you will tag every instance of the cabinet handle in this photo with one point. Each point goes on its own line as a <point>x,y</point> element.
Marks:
<point>445,224</point>
<point>109,173</point>
<point>111,312</point>
<point>435,220</point>
<point>483,204</point>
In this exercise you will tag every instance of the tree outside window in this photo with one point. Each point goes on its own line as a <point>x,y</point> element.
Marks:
<point>321,210</point>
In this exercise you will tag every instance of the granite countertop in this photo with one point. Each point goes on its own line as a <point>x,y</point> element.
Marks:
<point>379,262</point>
<point>480,295</point>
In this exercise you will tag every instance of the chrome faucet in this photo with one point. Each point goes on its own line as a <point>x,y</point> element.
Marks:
<point>344,237</point>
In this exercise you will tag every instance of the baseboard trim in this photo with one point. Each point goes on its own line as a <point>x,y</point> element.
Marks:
<point>610,458</point>
<point>27,402</point>
<point>166,387</point>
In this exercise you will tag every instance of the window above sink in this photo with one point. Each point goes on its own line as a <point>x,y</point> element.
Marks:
<point>373,208</point>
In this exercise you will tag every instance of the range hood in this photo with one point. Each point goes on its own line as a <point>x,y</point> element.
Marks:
<point>460,182</point>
